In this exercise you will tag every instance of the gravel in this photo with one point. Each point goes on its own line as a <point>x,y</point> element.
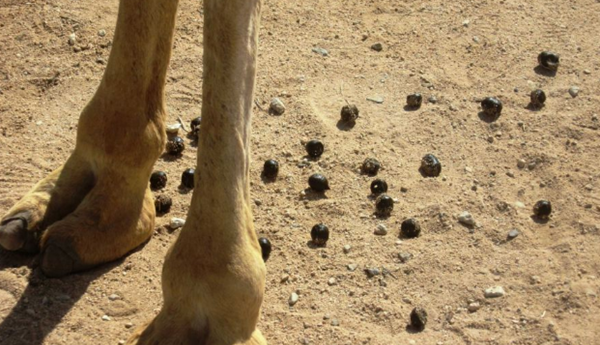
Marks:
<point>347,248</point>
<point>176,223</point>
<point>494,292</point>
<point>381,230</point>
<point>276,107</point>
<point>473,307</point>
<point>377,47</point>
<point>466,219</point>
<point>293,299</point>
<point>574,91</point>
<point>372,272</point>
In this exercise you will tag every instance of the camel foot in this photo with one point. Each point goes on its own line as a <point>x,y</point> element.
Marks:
<point>79,217</point>
<point>168,332</point>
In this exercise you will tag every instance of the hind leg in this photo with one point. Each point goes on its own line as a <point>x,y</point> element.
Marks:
<point>97,207</point>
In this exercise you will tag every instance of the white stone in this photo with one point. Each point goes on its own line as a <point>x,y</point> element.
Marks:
<point>331,281</point>
<point>176,223</point>
<point>574,91</point>
<point>105,318</point>
<point>473,307</point>
<point>381,230</point>
<point>114,297</point>
<point>347,248</point>
<point>494,291</point>
<point>277,107</point>
<point>293,298</point>
<point>174,128</point>
<point>72,39</point>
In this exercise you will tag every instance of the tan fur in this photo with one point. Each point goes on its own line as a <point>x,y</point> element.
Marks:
<point>98,207</point>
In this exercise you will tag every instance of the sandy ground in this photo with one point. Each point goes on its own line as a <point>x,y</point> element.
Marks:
<point>459,52</point>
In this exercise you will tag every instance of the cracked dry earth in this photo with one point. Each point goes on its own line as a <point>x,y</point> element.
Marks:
<point>459,52</point>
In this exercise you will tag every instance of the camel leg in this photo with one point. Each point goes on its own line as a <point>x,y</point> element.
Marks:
<point>213,277</point>
<point>97,206</point>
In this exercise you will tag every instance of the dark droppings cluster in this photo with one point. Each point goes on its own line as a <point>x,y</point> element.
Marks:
<point>175,146</point>
<point>318,183</point>
<point>158,180</point>
<point>319,234</point>
<point>379,186</point>
<point>430,166</point>
<point>349,113</point>
<point>314,148</point>
<point>271,168</point>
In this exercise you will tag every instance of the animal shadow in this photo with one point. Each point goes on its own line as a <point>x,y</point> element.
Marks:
<point>543,71</point>
<point>345,125</point>
<point>44,302</point>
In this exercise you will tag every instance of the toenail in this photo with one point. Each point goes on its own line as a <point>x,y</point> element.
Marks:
<point>56,262</point>
<point>13,233</point>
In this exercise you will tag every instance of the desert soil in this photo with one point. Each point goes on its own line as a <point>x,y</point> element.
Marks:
<point>456,51</point>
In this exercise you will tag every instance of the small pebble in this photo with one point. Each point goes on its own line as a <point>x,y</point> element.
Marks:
<point>72,39</point>
<point>320,51</point>
<point>105,318</point>
<point>173,129</point>
<point>377,47</point>
<point>513,234</point>
<point>352,267</point>
<point>473,307</point>
<point>176,223</point>
<point>335,322</point>
<point>375,99</point>
<point>276,107</point>
<point>113,297</point>
<point>381,230</point>
<point>331,282</point>
<point>521,163</point>
<point>293,299</point>
<point>466,219</point>
<point>372,272</point>
<point>101,33</point>
<point>404,257</point>
<point>347,249</point>
<point>494,292</point>
<point>574,91</point>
